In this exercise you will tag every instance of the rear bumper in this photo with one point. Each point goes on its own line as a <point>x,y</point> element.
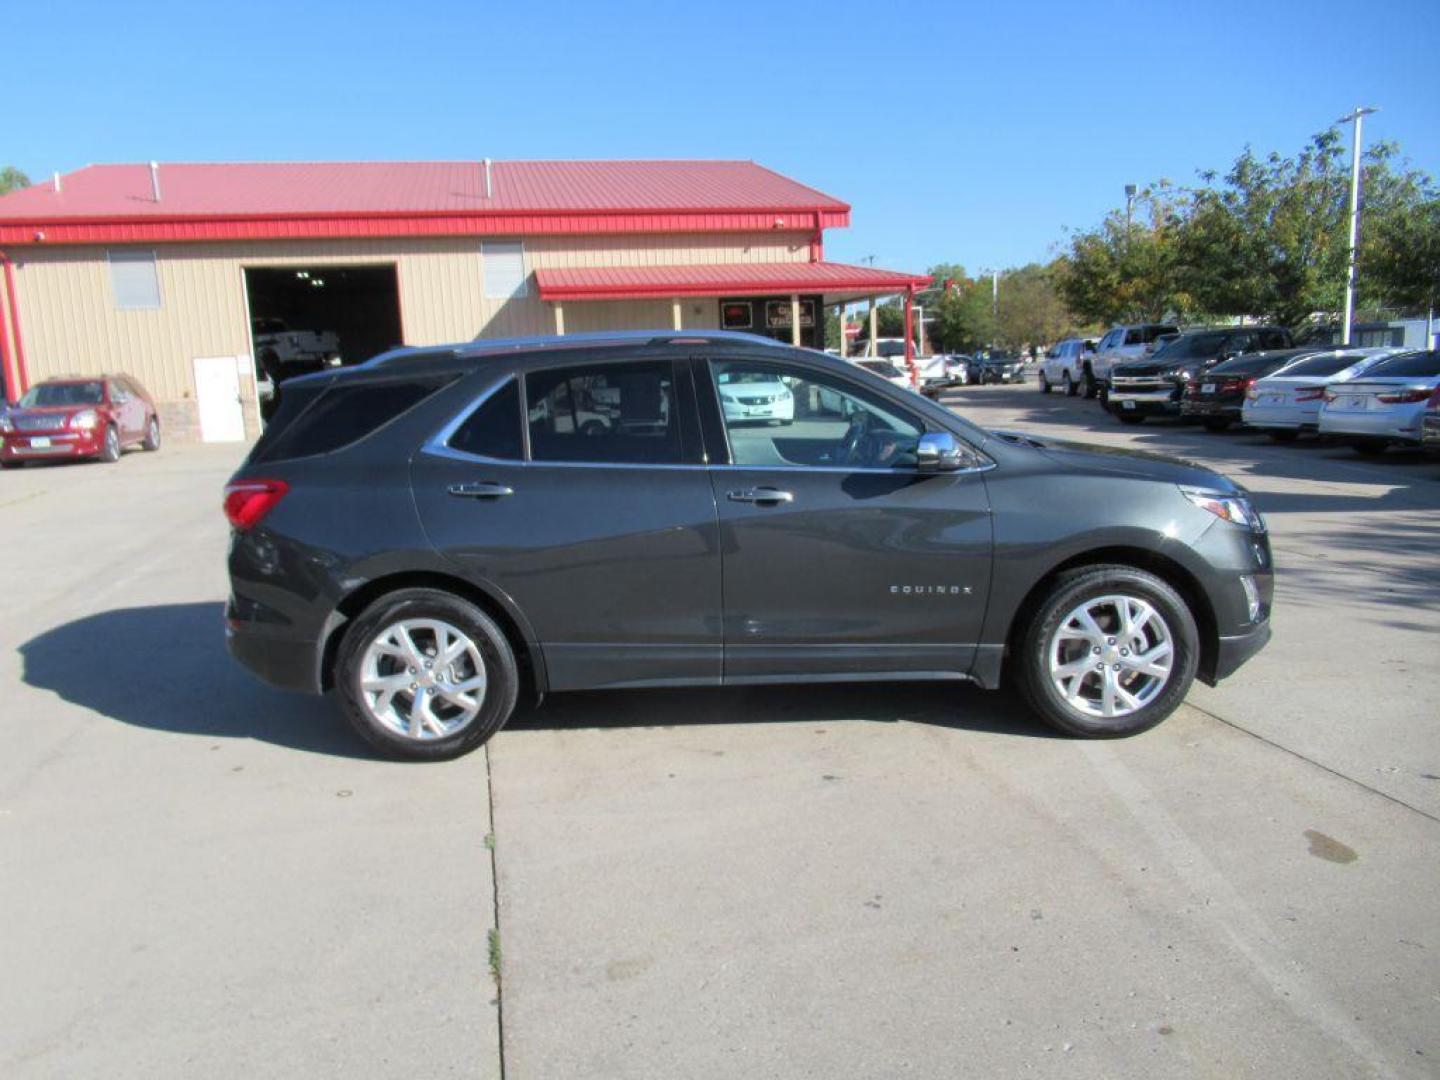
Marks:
<point>283,662</point>
<point>1389,424</point>
<point>1281,417</point>
<point>1225,410</point>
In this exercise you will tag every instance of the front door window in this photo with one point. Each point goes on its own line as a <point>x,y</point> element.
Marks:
<point>781,416</point>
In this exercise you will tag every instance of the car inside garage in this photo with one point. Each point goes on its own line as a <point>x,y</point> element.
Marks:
<point>305,317</point>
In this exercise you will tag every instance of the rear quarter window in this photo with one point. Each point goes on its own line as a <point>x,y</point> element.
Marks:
<point>339,414</point>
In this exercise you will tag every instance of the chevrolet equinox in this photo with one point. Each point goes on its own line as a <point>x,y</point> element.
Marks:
<point>439,531</point>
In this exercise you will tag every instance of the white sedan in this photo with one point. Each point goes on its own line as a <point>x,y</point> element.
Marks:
<point>1384,406</point>
<point>756,397</point>
<point>1287,403</point>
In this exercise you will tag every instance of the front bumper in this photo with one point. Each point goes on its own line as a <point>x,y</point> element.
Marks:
<point>1119,402</point>
<point>1233,651</point>
<point>45,446</point>
<point>736,412</point>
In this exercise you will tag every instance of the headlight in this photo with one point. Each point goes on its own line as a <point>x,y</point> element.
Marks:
<point>1184,375</point>
<point>1236,509</point>
<point>6,424</point>
<point>84,421</point>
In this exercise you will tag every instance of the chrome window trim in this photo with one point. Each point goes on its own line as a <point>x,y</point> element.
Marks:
<point>438,446</point>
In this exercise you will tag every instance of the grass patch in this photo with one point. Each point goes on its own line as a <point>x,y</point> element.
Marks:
<point>495,955</point>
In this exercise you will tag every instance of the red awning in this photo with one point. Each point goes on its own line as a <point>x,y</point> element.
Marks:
<point>834,280</point>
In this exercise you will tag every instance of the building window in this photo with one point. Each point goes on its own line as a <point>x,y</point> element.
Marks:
<point>503,264</point>
<point>134,281</point>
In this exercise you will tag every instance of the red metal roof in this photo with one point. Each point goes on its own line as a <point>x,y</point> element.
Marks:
<point>279,199</point>
<point>726,279</point>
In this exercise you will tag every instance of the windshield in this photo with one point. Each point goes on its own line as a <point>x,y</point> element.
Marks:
<point>1192,347</point>
<point>1406,365</point>
<point>47,395</point>
<point>1324,364</point>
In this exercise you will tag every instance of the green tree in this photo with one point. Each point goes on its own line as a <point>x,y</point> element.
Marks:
<point>1031,310</point>
<point>1128,269</point>
<point>12,179</point>
<point>1400,256</point>
<point>963,321</point>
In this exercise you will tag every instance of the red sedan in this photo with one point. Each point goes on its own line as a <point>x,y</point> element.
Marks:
<point>78,418</point>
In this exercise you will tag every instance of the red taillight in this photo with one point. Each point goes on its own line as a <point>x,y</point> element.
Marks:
<point>1433,405</point>
<point>1407,396</point>
<point>248,501</point>
<point>1313,393</point>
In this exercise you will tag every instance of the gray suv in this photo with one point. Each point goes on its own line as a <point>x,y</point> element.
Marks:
<point>440,532</point>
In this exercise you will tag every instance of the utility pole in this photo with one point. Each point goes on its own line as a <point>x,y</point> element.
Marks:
<point>1356,117</point>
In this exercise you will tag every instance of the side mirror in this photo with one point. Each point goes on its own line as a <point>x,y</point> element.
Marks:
<point>938,451</point>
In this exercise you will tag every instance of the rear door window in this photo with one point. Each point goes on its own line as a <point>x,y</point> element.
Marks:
<point>622,414</point>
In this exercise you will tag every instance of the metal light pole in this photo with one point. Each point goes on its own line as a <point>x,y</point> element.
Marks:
<point>1130,191</point>
<point>1357,118</point>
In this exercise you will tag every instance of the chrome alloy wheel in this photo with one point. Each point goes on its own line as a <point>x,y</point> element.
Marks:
<point>1111,656</point>
<point>423,679</point>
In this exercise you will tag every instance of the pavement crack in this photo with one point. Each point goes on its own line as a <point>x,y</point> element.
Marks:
<point>494,935</point>
<point>1311,761</point>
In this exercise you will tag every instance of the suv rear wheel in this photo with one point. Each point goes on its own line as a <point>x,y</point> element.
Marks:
<point>426,675</point>
<point>1112,650</point>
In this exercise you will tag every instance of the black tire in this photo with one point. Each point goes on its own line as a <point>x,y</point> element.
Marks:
<point>152,435</point>
<point>1129,418</point>
<point>1088,384</point>
<point>501,672</point>
<point>1070,590</point>
<point>12,464</point>
<point>1372,447</point>
<point>1282,435</point>
<point>1217,424</point>
<point>1043,383</point>
<point>110,450</point>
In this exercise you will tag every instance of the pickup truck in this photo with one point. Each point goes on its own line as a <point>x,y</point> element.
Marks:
<point>1120,345</point>
<point>282,352</point>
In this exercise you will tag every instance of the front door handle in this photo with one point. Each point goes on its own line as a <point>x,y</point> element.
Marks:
<point>762,496</point>
<point>483,489</point>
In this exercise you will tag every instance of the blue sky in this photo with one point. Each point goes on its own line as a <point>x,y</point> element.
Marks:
<point>966,132</point>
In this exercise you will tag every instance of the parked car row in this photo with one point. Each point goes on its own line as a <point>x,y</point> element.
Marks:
<point>74,417</point>
<point>1371,398</point>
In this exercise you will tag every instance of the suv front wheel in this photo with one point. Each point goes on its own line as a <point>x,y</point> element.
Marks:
<point>426,675</point>
<point>1112,650</point>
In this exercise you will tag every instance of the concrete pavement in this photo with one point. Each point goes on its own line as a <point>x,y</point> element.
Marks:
<point>199,876</point>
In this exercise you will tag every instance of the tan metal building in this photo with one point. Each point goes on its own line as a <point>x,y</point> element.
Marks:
<point>194,277</point>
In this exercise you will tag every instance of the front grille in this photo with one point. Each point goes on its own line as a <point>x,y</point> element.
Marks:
<point>1143,383</point>
<point>40,423</point>
<point>756,400</point>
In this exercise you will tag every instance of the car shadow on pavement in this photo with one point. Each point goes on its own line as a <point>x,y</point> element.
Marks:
<point>943,704</point>
<point>166,668</point>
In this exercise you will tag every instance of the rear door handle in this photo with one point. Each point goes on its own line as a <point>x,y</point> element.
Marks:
<point>483,489</point>
<point>762,496</point>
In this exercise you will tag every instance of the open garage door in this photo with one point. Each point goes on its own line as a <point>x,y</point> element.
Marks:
<point>305,317</point>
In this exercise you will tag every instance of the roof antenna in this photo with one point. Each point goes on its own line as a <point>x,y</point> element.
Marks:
<point>55,179</point>
<point>155,180</point>
<point>488,189</point>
